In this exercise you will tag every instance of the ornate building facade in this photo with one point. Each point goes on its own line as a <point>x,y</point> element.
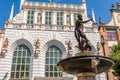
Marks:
<point>111,32</point>
<point>39,36</point>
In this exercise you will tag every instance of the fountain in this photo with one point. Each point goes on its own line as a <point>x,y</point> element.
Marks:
<point>84,65</point>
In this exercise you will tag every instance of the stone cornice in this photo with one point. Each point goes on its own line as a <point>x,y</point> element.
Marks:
<point>52,8</point>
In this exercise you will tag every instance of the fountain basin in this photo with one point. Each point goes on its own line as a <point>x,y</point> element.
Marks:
<point>83,65</point>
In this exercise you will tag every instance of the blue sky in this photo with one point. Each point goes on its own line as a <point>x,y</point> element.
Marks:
<point>101,8</point>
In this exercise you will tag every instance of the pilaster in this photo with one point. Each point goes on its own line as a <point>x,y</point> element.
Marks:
<point>54,19</point>
<point>72,18</point>
<point>64,17</point>
<point>118,33</point>
<point>43,16</point>
<point>35,16</point>
<point>24,15</point>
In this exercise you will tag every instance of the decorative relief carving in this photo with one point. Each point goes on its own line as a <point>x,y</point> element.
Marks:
<point>68,19</point>
<point>5,46</point>
<point>70,50</point>
<point>37,47</point>
<point>39,18</point>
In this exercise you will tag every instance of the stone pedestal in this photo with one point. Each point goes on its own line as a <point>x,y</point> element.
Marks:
<point>86,78</point>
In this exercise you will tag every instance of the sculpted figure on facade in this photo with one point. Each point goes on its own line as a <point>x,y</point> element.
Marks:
<point>5,45</point>
<point>37,44</point>
<point>80,36</point>
<point>98,46</point>
<point>37,48</point>
<point>39,18</point>
<point>70,50</point>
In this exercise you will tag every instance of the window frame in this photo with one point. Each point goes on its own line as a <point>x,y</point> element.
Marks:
<point>20,64</point>
<point>53,55</point>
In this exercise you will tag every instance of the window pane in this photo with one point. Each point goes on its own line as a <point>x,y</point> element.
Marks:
<point>28,60</point>
<point>27,67</point>
<point>28,53</point>
<point>46,68</point>
<point>51,60</point>
<point>19,53</point>
<point>27,75</point>
<point>18,67</point>
<point>51,67</point>
<point>111,35</point>
<point>24,53</point>
<point>15,53</point>
<point>22,67</point>
<point>12,74</point>
<point>13,67</point>
<point>17,74</point>
<point>19,60</point>
<point>51,74</point>
<point>22,75</point>
<point>55,74</point>
<point>47,55</point>
<point>47,61</point>
<point>46,74</point>
<point>23,60</point>
<point>14,60</point>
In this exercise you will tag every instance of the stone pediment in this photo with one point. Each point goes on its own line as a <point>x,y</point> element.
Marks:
<point>49,78</point>
<point>111,22</point>
<point>115,19</point>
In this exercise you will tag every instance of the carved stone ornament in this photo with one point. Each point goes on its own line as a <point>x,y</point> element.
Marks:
<point>98,46</point>
<point>37,47</point>
<point>5,46</point>
<point>70,50</point>
<point>39,18</point>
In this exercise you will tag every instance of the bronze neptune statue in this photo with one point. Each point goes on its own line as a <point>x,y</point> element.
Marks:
<point>80,36</point>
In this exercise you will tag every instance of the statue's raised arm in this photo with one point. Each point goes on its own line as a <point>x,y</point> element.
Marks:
<point>79,34</point>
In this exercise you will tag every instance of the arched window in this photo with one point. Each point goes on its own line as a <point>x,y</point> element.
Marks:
<point>21,63</point>
<point>53,55</point>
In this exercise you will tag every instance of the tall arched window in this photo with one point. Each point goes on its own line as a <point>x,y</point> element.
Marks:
<point>53,55</point>
<point>21,63</point>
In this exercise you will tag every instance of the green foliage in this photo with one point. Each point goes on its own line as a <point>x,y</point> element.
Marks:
<point>115,55</point>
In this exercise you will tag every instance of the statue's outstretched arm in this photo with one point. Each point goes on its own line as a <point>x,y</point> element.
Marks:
<point>85,21</point>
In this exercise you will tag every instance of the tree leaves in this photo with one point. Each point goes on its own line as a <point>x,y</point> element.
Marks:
<point>115,55</point>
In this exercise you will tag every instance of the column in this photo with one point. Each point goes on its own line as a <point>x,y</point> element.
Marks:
<point>118,31</point>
